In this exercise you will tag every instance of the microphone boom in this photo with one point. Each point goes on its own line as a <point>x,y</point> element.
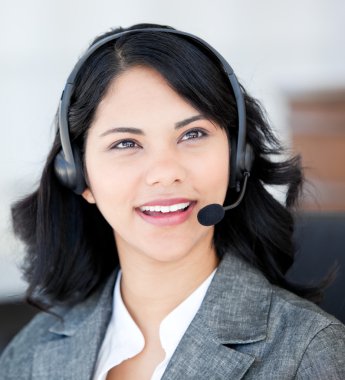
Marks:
<point>214,213</point>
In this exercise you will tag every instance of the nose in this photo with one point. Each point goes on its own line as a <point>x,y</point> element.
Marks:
<point>165,169</point>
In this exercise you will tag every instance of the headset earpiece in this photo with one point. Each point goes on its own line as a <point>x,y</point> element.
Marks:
<point>70,172</point>
<point>248,158</point>
<point>244,167</point>
<point>238,168</point>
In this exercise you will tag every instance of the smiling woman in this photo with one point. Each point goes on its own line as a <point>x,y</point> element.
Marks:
<point>153,127</point>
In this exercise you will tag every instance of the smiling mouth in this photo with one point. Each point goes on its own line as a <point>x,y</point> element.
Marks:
<point>157,210</point>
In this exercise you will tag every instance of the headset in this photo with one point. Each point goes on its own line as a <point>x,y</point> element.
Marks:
<point>68,163</point>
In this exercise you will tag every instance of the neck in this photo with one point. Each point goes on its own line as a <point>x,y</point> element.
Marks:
<point>151,289</point>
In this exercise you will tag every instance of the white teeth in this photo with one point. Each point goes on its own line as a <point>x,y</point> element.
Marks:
<point>165,209</point>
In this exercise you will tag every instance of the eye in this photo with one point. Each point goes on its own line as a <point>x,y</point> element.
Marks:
<point>193,134</point>
<point>125,144</point>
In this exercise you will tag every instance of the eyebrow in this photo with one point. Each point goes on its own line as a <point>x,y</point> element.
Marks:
<point>185,122</point>
<point>137,131</point>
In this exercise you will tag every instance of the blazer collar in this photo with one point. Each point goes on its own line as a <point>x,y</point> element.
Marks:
<point>85,312</point>
<point>234,311</point>
<point>70,351</point>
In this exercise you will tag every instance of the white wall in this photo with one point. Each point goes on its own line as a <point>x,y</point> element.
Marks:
<point>274,46</point>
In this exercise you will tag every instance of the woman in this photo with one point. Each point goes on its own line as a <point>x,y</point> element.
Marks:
<point>139,279</point>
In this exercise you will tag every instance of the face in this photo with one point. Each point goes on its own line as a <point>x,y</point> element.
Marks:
<point>153,161</point>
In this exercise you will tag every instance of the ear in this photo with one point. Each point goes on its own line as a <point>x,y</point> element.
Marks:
<point>88,196</point>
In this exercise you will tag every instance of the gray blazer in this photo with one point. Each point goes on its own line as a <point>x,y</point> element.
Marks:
<point>245,329</point>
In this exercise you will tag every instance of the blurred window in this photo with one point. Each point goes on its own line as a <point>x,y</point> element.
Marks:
<point>317,122</point>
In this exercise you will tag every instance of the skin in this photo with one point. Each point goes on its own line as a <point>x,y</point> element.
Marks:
<point>168,150</point>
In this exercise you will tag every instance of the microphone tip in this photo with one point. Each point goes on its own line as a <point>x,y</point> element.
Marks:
<point>211,214</point>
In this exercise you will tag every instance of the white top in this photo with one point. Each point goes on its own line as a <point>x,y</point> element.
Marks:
<point>124,340</point>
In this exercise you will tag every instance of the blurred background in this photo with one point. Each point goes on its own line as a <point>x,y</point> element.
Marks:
<point>290,55</point>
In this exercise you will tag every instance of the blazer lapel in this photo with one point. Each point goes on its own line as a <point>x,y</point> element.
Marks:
<point>71,350</point>
<point>234,312</point>
<point>201,356</point>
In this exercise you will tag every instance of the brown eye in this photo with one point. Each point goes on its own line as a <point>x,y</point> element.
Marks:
<point>125,144</point>
<point>193,134</point>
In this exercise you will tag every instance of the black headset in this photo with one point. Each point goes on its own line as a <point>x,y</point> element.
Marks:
<point>68,162</point>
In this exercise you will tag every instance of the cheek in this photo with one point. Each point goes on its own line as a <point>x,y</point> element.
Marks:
<point>214,169</point>
<point>112,187</point>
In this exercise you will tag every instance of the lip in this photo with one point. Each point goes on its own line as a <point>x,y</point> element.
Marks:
<point>167,219</point>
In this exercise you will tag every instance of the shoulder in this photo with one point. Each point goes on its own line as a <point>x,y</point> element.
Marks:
<point>18,355</point>
<point>324,356</point>
<point>316,338</point>
<point>295,308</point>
<point>46,335</point>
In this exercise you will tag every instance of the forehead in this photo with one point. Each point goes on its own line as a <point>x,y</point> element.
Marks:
<point>142,95</point>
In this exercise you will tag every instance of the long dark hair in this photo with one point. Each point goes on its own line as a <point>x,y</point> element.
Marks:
<point>71,248</point>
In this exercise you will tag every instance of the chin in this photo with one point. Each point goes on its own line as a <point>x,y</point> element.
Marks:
<point>170,251</point>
